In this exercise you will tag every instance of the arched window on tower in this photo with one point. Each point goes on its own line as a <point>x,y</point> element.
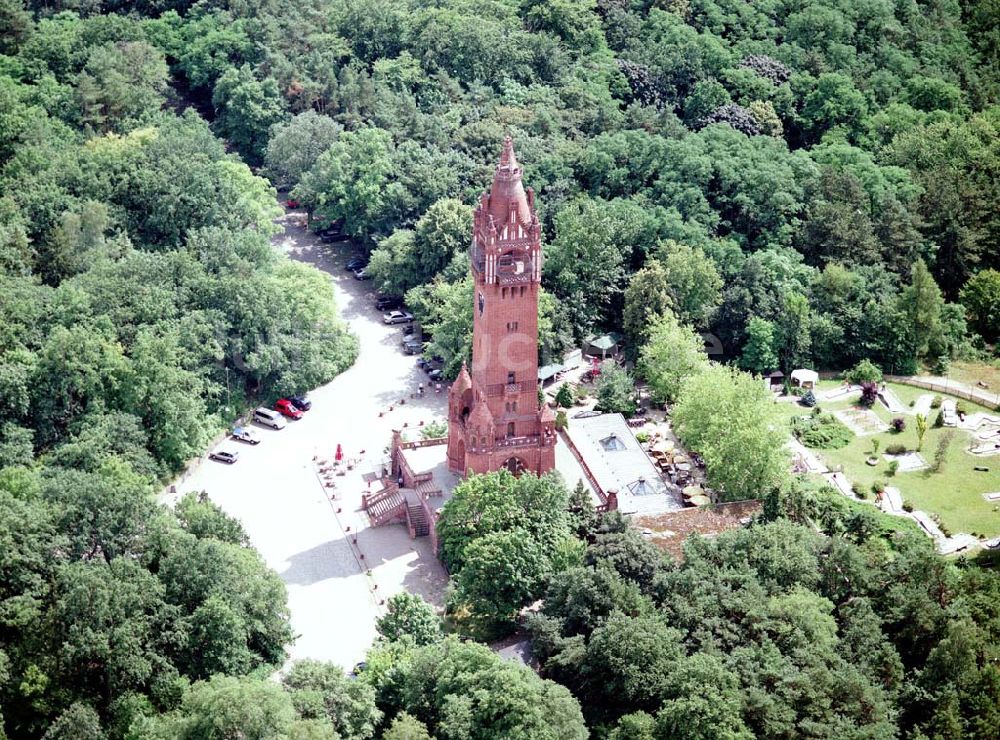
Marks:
<point>510,429</point>
<point>482,303</point>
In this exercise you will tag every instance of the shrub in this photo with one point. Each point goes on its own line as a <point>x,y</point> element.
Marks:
<point>864,372</point>
<point>942,450</point>
<point>642,437</point>
<point>823,431</point>
<point>869,394</point>
<point>939,420</point>
<point>562,422</point>
<point>434,430</point>
<point>858,489</point>
<point>941,364</point>
<point>893,468</point>
<point>898,424</point>
<point>808,400</point>
<point>878,486</point>
<point>907,506</point>
<point>962,408</point>
<point>895,449</point>
<point>936,402</point>
<point>564,397</point>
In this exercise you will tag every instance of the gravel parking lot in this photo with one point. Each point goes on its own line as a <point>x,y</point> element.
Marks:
<point>337,570</point>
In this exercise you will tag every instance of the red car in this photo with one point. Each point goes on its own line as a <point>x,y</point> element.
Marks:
<point>287,408</point>
<point>292,203</point>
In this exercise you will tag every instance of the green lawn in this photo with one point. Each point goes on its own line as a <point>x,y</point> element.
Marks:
<point>954,493</point>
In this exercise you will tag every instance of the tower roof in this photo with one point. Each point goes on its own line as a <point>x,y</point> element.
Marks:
<point>480,418</point>
<point>463,382</point>
<point>507,190</point>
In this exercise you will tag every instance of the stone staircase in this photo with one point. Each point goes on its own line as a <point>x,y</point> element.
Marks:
<point>385,506</point>
<point>417,521</point>
<point>426,488</point>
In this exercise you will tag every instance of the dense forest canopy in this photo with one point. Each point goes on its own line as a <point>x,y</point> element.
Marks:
<point>812,182</point>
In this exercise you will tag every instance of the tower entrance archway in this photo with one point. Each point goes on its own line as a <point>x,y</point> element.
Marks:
<point>514,464</point>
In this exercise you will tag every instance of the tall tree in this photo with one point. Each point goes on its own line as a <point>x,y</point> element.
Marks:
<point>921,301</point>
<point>671,355</point>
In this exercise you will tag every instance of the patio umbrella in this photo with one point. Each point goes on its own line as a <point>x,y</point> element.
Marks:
<point>663,446</point>
<point>340,453</point>
<point>700,500</point>
<point>690,491</point>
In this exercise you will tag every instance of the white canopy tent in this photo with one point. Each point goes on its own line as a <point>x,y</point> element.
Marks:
<point>805,378</point>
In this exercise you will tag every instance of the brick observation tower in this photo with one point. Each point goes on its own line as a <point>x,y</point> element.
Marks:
<point>494,418</point>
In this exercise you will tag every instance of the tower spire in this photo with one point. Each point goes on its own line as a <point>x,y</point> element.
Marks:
<point>507,192</point>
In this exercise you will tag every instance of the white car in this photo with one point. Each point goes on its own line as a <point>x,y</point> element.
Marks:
<point>268,418</point>
<point>245,434</point>
<point>397,317</point>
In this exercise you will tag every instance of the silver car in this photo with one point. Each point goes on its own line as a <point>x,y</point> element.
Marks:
<point>397,317</point>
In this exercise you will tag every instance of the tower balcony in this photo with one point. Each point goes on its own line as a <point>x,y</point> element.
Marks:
<point>500,389</point>
<point>530,440</point>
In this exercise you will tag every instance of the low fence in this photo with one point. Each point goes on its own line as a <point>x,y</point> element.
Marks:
<point>423,443</point>
<point>990,400</point>
<point>586,469</point>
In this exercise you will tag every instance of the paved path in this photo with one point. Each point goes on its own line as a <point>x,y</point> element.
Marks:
<point>275,491</point>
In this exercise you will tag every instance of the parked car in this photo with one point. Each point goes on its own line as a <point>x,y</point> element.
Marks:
<point>268,418</point>
<point>301,402</point>
<point>328,238</point>
<point>292,203</point>
<point>286,408</point>
<point>435,374</point>
<point>386,302</point>
<point>224,456</point>
<point>362,274</point>
<point>408,329</point>
<point>422,363</point>
<point>397,317</point>
<point>413,346</point>
<point>246,434</point>
<point>356,263</point>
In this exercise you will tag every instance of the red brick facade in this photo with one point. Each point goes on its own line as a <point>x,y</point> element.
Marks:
<point>494,418</point>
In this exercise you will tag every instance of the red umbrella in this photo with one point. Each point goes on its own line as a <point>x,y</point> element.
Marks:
<point>340,453</point>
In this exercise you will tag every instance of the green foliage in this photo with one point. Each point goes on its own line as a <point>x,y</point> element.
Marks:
<point>760,353</point>
<point>501,572</point>
<point>564,396</point>
<point>406,727</point>
<point>824,431</point>
<point>646,298</point>
<point>615,389</point>
<point>321,691</point>
<point>408,615</point>
<point>864,372</point>
<point>693,281</point>
<point>728,417</point>
<point>294,146</point>
<point>499,502</point>
<point>143,305</point>
<point>464,690</point>
<point>672,354</point>
<point>981,298</point>
<point>434,430</point>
